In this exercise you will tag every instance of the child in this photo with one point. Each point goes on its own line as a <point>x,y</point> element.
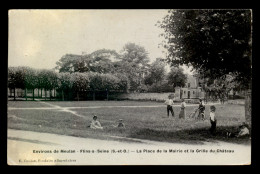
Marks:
<point>201,110</point>
<point>95,124</point>
<point>242,131</point>
<point>169,103</point>
<point>120,124</point>
<point>182,112</point>
<point>213,120</point>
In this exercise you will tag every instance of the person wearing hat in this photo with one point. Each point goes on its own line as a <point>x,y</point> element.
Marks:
<point>95,124</point>
<point>120,124</point>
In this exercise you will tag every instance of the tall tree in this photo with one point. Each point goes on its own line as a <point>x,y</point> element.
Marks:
<point>73,63</point>
<point>156,72</point>
<point>134,63</point>
<point>102,61</point>
<point>80,82</point>
<point>218,41</point>
<point>31,81</point>
<point>98,61</point>
<point>176,77</point>
<point>65,83</point>
<point>12,79</point>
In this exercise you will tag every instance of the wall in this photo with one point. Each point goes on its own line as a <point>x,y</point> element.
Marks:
<point>21,92</point>
<point>144,96</point>
<point>194,93</point>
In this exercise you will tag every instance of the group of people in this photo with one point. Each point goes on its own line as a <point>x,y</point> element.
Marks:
<point>243,128</point>
<point>201,115</point>
<point>95,124</point>
<point>182,114</point>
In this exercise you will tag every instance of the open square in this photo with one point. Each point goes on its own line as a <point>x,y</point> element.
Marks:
<point>143,120</point>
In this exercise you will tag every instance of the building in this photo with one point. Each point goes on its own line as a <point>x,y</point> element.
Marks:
<point>191,90</point>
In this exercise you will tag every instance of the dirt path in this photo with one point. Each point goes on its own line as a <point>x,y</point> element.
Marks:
<point>96,107</point>
<point>33,148</point>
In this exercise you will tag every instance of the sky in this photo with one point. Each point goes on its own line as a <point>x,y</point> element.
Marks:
<point>39,38</point>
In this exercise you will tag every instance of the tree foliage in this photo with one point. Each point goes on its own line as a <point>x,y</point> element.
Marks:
<point>80,81</point>
<point>64,81</point>
<point>46,79</point>
<point>15,78</point>
<point>156,72</point>
<point>176,77</point>
<point>134,63</point>
<point>97,61</point>
<point>72,63</point>
<point>218,41</point>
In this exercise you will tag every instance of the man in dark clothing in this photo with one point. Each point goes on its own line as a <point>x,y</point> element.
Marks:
<point>169,103</point>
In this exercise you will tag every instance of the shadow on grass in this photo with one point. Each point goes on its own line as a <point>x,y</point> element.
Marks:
<point>191,136</point>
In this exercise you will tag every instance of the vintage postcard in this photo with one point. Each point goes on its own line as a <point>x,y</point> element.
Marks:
<point>129,87</point>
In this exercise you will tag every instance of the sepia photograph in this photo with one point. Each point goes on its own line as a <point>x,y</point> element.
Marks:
<point>129,87</point>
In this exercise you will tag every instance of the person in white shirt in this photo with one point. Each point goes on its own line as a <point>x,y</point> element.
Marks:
<point>243,130</point>
<point>213,120</point>
<point>95,124</point>
<point>169,103</point>
<point>182,112</point>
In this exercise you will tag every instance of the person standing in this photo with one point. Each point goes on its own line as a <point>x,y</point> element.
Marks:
<point>169,103</point>
<point>201,110</point>
<point>213,120</point>
<point>183,112</point>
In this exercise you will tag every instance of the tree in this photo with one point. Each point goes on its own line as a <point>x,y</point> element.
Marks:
<point>220,87</point>
<point>134,63</point>
<point>218,41</point>
<point>52,79</point>
<point>101,61</point>
<point>80,82</point>
<point>64,83</point>
<point>30,80</point>
<point>217,88</point>
<point>12,79</point>
<point>97,61</point>
<point>47,80</point>
<point>156,72</point>
<point>176,77</point>
<point>123,84</point>
<point>73,63</point>
<point>134,53</point>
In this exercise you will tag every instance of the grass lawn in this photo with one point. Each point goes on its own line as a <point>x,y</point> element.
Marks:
<point>141,122</point>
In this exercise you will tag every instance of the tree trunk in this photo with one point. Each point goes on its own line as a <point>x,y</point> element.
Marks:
<point>38,92</point>
<point>41,92</point>
<point>45,92</point>
<point>33,94</point>
<point>50,94</point>
<point>14,93</point>
<point>107,95</point>
<point>54,93</point>
<point>248,115</point>
<point>26,94</point>
<point>78,95</point>
<point>62,93</point>
<point>94,97</point>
